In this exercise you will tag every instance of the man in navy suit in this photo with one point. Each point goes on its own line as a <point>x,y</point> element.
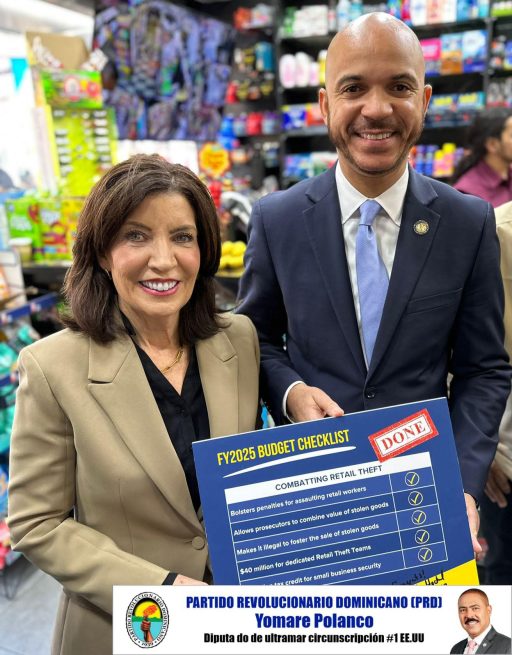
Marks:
<point>475,617</point>
<point>310,300</point>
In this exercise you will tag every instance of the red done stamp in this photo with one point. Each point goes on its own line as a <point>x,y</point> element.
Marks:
<point>404,435</point>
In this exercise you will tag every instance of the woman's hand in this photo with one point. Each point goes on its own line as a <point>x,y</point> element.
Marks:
<point>184,580</point>
<point>498,485</point>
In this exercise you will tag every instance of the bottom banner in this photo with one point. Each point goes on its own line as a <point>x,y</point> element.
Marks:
<point>434,619</point>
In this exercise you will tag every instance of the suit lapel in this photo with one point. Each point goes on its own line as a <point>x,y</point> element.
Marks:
<point>218,367</point>
<point>412,250</point>
<point>486,645</point>
<point>119,385</point>
<point>325,232</point>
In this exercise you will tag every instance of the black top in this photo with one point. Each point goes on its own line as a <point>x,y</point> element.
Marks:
<point>185,416</point>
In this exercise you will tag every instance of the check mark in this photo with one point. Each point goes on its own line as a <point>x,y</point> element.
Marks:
<point>422,537</point>
<point>412,479</point>
<point>415,498</point>
<point>424,554</point>
<point>419,517</point>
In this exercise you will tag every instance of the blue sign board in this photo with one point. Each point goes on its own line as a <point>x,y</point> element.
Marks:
<point>373,497</point>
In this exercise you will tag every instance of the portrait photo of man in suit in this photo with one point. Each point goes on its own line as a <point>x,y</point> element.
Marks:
<point>475,618</point>
<point>371,285</point>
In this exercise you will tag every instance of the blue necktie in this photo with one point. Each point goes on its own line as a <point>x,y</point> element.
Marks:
<point>372,277</point>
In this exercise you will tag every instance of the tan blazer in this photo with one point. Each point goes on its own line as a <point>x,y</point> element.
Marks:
<point>97,494</point>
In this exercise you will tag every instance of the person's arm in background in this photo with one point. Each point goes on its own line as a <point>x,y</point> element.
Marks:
<point>480,369</point>
<point>498,484</point>
<point>42,501</point>
<point>261,299</point>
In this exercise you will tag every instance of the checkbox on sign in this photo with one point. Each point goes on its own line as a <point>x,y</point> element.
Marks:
<point>419,517</point>
<point>415,498</point>
<point>422,537</point>
<point>425,555</point>
<point>412,479</point>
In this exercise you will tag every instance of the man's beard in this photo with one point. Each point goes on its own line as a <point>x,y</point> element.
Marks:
<point>341,146</point>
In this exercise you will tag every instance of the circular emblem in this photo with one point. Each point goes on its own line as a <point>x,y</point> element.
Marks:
<point>421,227</point>
<point>147,620</point>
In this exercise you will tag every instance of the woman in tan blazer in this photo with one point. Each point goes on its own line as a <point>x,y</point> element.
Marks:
<point>103,488</point>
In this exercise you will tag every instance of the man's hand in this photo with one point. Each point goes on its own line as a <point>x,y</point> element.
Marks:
<point>309,403</point>
<point>185,580</point>
<point>498,485</point>
<point>474,523</point>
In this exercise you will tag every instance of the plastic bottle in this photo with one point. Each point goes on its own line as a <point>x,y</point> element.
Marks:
<point>439,167</point>
<point>429,161</point>
<point>419,161</point>
<point>356,9</point>
<point>321,66</point>
<point>449,158</point>
<point>342,13</point>
<point>331,17</point>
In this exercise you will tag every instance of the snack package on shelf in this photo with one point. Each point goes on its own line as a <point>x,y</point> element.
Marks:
<point>8,361</point>
<point>23,221</point>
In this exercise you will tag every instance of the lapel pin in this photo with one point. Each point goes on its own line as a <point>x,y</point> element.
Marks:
<point>421,227</point>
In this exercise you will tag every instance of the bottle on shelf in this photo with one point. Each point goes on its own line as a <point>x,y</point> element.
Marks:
<point>343,13</point>
<point>356,9</point>
<point>322,55</point>
<point>331,17</point>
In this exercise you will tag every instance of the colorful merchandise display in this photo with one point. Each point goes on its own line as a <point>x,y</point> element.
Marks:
<point>436,161</point>
<point>302,70</point>
<point>232,255</point>
<point>257,17</point>
<point>309,20</point>
<point>77,135</point>
<point>24,222</point>
<point>83,147</point>
<point>295,117</point>
<point>48,221</point>
<point>12,341</point>
<point>253,73</point>
<point>450,54</point>
<point>69,89</point>
<point>302,166</point>
<point>454,109</point>
<point>171,69</point>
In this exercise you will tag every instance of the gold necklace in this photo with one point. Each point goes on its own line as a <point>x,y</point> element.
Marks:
<point>173,363</point>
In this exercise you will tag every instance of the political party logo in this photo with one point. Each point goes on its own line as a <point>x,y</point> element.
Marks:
<point>147,620</point>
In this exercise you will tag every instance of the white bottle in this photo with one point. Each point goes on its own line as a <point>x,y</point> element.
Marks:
<point>342,13</point>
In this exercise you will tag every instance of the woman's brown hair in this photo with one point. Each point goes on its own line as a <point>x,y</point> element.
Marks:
<point>89,292</point>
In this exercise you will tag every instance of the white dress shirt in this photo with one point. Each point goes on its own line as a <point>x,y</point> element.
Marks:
<point>386,226</point>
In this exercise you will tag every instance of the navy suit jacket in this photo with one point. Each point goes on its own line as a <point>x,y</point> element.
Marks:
<point>494,642</point>
<point>443,311</point>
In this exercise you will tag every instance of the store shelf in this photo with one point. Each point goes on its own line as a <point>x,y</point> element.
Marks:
<point>8,316</point>
<point>499,72</point>
<point>316,40</point>
<point>292,89</point>
<point>458,126</point>
<point>454,77</point>
<point>317,130</point>
<point>261,137</point>
<point>249,104</point>
<point>460,25</point>
<point>256,30</point>
<point>43,302</point>
<point>46,266</point>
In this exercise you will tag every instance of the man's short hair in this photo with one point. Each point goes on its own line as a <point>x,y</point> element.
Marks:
<point>476,591</point>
